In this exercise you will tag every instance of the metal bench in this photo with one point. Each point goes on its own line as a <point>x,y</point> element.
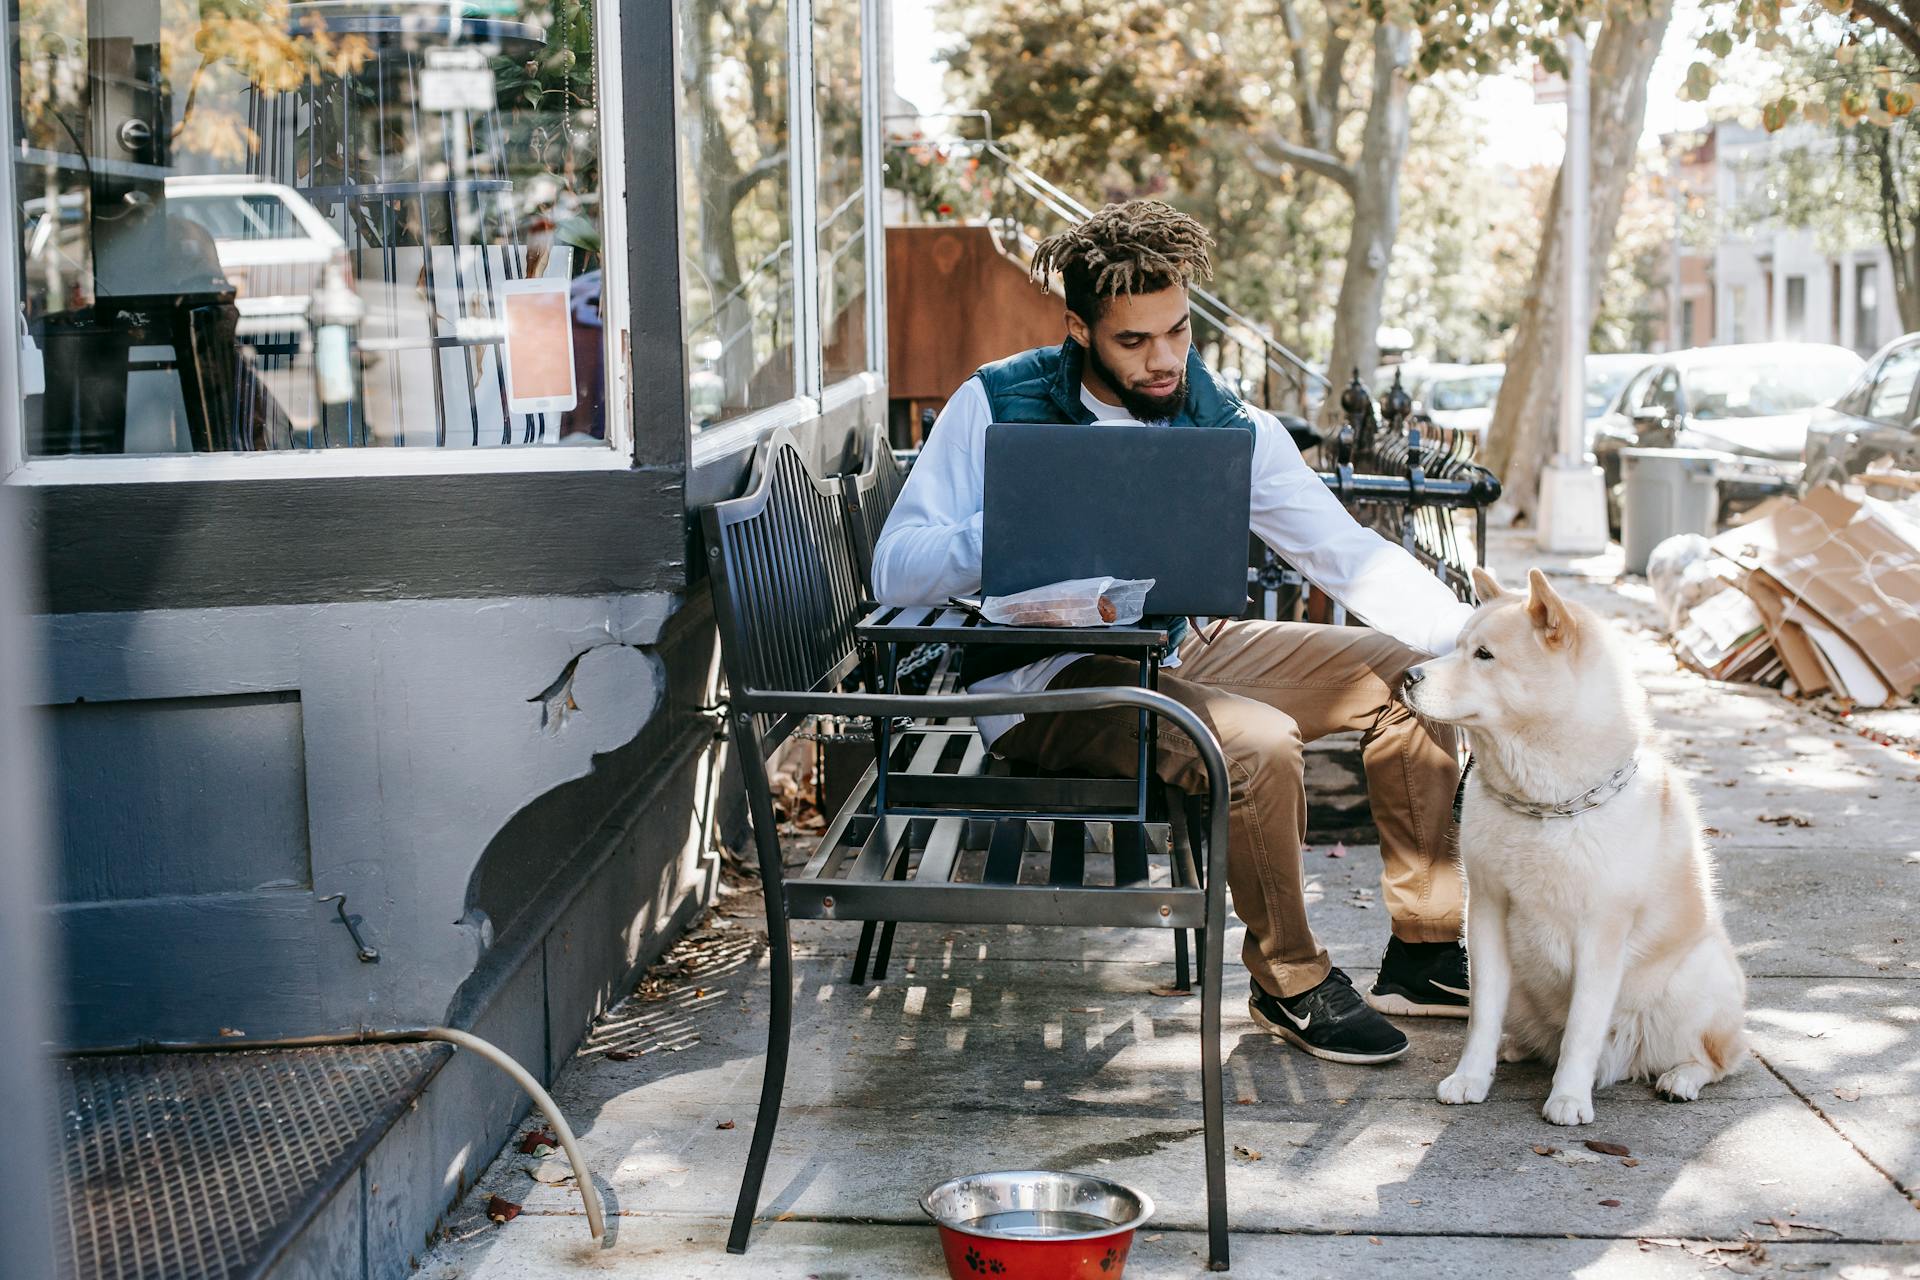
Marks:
<point>959,845</point>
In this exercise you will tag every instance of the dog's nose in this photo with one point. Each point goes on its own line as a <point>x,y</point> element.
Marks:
<point>1413,677</point>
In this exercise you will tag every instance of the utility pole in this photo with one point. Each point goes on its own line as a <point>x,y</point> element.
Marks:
<point>1573,494</point>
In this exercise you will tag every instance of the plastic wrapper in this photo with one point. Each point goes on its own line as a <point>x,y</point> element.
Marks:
<point>1081,602</point>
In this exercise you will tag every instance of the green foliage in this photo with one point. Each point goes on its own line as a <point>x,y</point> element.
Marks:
<point>1865,52</point>
<point>1849,185</point>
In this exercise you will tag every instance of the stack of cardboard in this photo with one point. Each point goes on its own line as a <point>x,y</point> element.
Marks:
<point>1824,597</point>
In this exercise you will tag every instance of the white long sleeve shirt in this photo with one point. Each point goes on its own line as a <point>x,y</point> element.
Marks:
<point>930,548</point>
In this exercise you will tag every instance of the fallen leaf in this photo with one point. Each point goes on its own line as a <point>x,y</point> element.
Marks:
<point>724,1124</point>
<point>621,1055</point>
<point>1610,1204</point>
<point>1607,1148</point>
<point>501,1209</point>
<point>1576,1157</point>
<point>1546,1151</point>
<point>1713,831</point>
<point>1788,817</point>
<point>1415,1200</point>
<point>554,1173</point>
<point>1849,1094</point>
<point>231,1032</point>
<point>1373,1239</point>
<point>1632,1162</point>
<point>1338,851</point>
<point>1170,991</point>
<point>1245,1153</point>
<point>529,1145</point>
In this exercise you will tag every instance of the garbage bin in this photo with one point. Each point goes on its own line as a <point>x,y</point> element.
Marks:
<point>1664,492</point>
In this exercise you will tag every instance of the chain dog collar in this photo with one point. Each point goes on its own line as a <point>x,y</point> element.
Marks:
<point>1587,800</point>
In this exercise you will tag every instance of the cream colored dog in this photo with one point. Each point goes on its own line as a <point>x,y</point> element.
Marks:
<point>1592,930</point>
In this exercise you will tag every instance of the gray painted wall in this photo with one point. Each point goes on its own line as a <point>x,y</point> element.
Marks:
<point>25,1175</point>
<point>225,769</point>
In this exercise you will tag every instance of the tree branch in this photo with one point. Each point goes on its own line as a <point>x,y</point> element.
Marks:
<point>1332,79</point>
<point>1303,98</point>
<point>1273,152</point>
<point>1907,33</point>
<point>766,167</point>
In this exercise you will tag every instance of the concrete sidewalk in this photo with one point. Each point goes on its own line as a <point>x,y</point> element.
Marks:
<point>1007,1048</point>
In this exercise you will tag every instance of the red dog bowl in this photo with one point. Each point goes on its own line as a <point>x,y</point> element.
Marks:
<point>1035,1225</point>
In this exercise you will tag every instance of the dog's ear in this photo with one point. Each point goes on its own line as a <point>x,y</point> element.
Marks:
<point>1548,611</point>
<point>1486,586</point>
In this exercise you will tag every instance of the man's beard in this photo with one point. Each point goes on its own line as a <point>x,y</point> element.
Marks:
<point>1142,406</point>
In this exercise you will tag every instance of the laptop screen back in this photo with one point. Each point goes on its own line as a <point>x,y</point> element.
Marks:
<point>1130,501</point>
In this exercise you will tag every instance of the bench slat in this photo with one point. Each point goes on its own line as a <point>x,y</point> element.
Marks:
<point>1136,906</point>
<point>1129,854</point>
<point>1069,864</point>
<point>1036,795</point>
<point>943,848</point>
<point>876,855</point>
<point>1004,851</point>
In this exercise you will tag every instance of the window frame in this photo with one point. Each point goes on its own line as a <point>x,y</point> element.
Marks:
<point>1904,413</point>
<point>713,455</point>
<point>620,451</point>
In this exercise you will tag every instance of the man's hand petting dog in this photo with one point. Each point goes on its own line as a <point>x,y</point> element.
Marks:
<point>1593,936</point>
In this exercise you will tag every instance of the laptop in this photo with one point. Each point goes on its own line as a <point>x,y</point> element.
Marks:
<point>1130,501</point>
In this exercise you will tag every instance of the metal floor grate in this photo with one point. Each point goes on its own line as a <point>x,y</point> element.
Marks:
<point>183,1166</point>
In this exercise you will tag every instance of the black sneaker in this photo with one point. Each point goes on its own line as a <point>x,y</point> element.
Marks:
<point>1421,980</point>
<point>1329,1022</point>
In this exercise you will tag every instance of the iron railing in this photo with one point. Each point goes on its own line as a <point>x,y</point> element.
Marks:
<point>1021,208</point>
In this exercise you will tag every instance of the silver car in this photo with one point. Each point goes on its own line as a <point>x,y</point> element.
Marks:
<point>1750,402</point>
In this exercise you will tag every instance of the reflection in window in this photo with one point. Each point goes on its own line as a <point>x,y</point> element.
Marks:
<point>737,237</point>
<point>843,213</point>
<point>267,225</point>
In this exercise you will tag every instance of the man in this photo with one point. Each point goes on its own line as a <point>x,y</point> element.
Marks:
<point>1264,688</point>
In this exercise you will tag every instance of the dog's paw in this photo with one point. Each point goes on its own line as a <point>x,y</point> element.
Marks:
<point>1461,1087</point>
<point>1683,1083</point>
<point>1566,1108</point>
<point>1512,1050</point>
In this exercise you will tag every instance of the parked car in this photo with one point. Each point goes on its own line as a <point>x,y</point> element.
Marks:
<point>1456,397</point>
<point>273,244</point>
<point>1875,425</point>
<point>1751,402</point>
<point>1606,374</point>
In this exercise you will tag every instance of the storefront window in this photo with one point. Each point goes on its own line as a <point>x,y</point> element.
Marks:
<point>843,211</point>
<point>262,225</point>
<point>735,183</point>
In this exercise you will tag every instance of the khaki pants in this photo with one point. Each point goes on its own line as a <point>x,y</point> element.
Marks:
<point>1266,689</point>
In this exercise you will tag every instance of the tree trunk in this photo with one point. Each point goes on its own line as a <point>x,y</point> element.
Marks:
<point>1376,216</point>
<point>1522,436</point>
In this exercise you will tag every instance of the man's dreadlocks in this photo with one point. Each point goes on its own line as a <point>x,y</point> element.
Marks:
<point>1142,246</point>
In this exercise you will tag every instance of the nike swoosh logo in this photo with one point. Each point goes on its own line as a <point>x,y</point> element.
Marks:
<point>1452,991</point>
<point>1299,1024</point>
